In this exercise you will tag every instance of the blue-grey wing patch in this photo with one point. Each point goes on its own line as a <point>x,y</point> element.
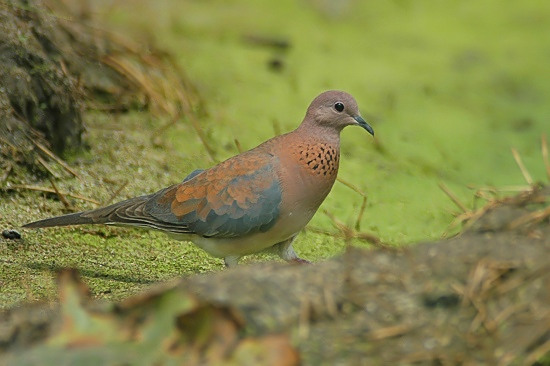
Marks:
<point>193,174</point>
<point>233,199</point>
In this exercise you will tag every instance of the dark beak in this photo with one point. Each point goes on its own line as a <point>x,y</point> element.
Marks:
<point>361,122</point>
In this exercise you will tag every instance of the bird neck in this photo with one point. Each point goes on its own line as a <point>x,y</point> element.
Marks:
<point>316,149</point>
<point>311,131</point>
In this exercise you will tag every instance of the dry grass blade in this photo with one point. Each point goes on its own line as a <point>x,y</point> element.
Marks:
<point>133,74</point>
<point>238,145</point>
<point>9,144</point>
<point>538,352</point>
<point>505,314</point>
<point>58,160</point>
<point>348,233</point>
<point>162,83</point>
<point>115,193</point>
<point>483,278</point>
<point>530,218</point>
<point>202,137</point>
<point>372,239</point>
<point>6,173</point>
<point>345,230</point>
<point>319,231</point>
<point>453,197</point>
<point>544,148</point>
<point>156,73</point>
<point>361,212</point>
<point>354,188</point>
<point>46,166</point>
<point>389,332</point>
<point>522,167</point>
<point>61,196</point>
<point>351,186</point>
<point>50,190</point>
<point>102,178</point>
<point>521,281</point>
<point>276,127</point>
<point>159,131</point>
<point>503,189</point>
<point>491,195</point>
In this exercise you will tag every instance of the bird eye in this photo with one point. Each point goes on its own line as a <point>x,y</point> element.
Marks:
<point>339,106</point>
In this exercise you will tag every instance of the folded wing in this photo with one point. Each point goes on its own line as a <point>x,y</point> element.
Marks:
<point>234,198</point>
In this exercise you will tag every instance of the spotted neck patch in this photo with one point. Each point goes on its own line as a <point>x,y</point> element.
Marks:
<point>318,158</point>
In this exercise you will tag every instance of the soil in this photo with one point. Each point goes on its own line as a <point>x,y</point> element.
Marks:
<point>38,91</point>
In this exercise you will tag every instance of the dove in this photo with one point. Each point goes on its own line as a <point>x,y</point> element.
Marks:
<point>256,201</point>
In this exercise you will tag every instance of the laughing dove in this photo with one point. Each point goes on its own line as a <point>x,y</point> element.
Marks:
<point>255,201</point>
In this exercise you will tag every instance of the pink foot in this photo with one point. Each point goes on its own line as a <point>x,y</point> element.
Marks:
<point>299,261</point>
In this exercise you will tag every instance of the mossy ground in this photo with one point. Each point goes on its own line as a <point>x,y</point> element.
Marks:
<point>448,87</point>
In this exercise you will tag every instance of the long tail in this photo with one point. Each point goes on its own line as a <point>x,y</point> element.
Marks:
<point>124,212</point>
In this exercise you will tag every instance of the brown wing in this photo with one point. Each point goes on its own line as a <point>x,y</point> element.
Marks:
<point>239,196</point>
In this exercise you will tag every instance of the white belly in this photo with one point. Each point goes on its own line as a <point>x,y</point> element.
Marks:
<point>286,227</point>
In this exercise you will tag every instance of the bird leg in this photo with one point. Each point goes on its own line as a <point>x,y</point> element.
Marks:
<point>231,261</point>
<point>286,251</point>
<point>300,261</point>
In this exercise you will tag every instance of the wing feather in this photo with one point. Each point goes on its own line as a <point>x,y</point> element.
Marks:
<point>234,198</point>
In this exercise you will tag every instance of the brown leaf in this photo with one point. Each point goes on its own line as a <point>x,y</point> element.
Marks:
<point>273,350</point>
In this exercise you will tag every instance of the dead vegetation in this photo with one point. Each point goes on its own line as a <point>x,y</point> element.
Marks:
<point>58,62</point>
<point>494,197</point>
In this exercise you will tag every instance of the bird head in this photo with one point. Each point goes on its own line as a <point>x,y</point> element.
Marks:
<point>336,109</point>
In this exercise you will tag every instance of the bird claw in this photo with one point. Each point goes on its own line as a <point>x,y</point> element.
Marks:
<point>300,261</point>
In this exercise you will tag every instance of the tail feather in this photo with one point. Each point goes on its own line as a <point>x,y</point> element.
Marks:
<point>105,215</point>
<point>65,220</point>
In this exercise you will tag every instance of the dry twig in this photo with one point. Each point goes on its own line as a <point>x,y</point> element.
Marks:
<point>46,166</point>
<point>57,159</point>
<point>238,145</point>
<point>61,196</point>
<point>363,206</point>
<point>522,167</point>
<point>50,190</point>
<point>484,277</point>
<point>389,332</point>
<point>544,148</point>
<point>116,193</point>
<point>7,173</point>
<point>528,194</point>
<point>347,233</point>
<point>202,136</point>
<point>453,197</point>
<point>537,353</point>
